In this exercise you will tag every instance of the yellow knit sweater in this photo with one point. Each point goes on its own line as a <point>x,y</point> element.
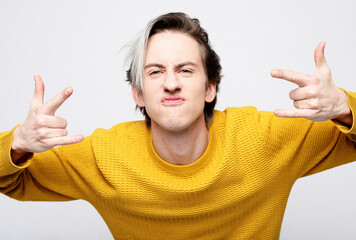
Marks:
<point>238,189</point>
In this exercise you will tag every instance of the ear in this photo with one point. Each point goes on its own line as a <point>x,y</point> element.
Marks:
<point>210,92</point>
<point>138,97</point>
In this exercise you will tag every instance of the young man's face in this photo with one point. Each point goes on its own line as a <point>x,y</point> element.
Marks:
<point>174,82</point>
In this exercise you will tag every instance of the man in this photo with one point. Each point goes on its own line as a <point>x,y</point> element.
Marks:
<point>187,172</point>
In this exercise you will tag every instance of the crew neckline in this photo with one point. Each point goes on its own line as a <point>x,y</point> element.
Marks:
<point>189,168</point>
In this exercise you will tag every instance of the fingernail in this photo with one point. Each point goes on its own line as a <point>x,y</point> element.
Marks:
<point>67,91</point>
<point>274,73</point>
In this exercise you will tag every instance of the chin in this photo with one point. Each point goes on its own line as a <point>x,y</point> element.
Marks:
<point>174,125</point>
<point>178,124</point>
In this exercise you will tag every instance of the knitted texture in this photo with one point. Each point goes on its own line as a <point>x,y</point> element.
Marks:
<point>238,189</point>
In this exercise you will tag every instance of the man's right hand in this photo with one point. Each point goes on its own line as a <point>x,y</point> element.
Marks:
<point>41,130</point>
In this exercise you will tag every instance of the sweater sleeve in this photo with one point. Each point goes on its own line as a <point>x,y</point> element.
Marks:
<point>304,147</point>
<point>59,174</point>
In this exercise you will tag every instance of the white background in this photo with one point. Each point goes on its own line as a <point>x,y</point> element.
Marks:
<point>77,43</point>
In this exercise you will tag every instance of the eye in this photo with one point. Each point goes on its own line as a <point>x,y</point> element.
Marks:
<point>185,71</point>
<point>156,72</point>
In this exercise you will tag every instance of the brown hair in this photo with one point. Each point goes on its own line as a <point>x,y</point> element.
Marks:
<point>180,22</point>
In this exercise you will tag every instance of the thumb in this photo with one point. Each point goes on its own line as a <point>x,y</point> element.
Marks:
<point>37,99</point>
<point>319,56</point>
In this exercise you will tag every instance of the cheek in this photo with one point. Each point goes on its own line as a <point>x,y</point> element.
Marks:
<point>151,99</point>
<point>150,92</point>
<point>198,99</point>
<point>200,92</point>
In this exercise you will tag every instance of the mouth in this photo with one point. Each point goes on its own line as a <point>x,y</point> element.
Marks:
<point>172,100</point>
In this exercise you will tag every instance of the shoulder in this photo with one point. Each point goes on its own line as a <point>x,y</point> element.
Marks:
<point>251,120</point>
<point>237,122</point>
<point>263,118</point>
<point>121,134</point>
<point>239,114</point>
<point>122,129</point>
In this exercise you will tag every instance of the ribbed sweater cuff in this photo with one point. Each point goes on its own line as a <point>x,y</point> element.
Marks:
<point>352,104</point>
<point>7,167</point>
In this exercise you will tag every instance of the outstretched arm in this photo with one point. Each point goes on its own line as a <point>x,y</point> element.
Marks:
<point>317,98</point>
<point>42,130</point>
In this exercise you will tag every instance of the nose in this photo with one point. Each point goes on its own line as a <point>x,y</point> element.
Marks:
<point>172,83</point>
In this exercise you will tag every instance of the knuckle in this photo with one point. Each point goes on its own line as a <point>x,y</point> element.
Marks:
<point>37,111</point>
<point>293,76</point>
<point>40,122</point>
<point>43,142</point>
<point>47,144</point>
<point>62,141</point>
<point>317,92</point>
<point>315,103</point>
<point>42,133</point>
<point>312,93</point>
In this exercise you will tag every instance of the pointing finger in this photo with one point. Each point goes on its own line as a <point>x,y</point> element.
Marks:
<point>65,140</point>
<point>295,113</point>
<point>53,104</point>
<point>295,77</point>
<point>37,99</point>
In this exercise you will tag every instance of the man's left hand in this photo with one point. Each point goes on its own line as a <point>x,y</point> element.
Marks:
<point>317,98</point>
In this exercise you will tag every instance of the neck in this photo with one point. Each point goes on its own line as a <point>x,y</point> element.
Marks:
<point>181,147</point>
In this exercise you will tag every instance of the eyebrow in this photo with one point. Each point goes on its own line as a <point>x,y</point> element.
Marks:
<point>185,64</point>
<point>177,66</point>
<point>154,65</point>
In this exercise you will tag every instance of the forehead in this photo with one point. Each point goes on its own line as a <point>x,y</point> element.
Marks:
<point>172,47</point>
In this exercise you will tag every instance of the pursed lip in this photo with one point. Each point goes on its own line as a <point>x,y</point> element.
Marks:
<point>172,100</point>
